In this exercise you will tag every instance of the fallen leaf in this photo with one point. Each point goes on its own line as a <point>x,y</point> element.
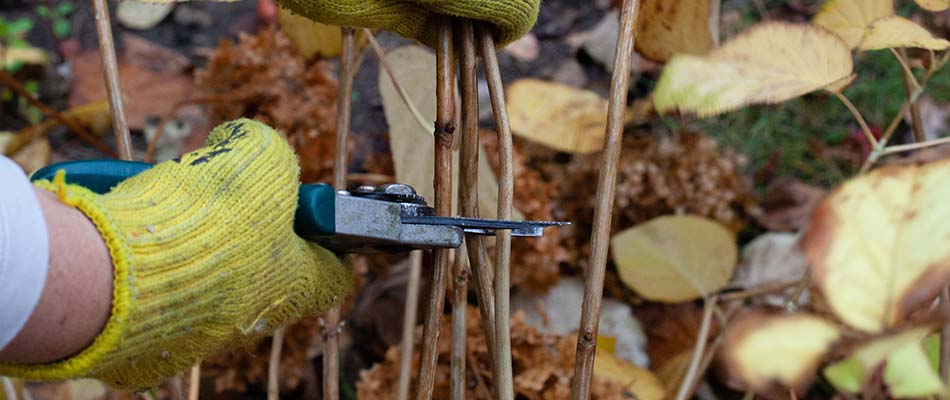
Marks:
<point>764,350</point>
<point>771,258</point>
<point>524,49</point>
<point>894,31</point>
<point>934,5</point>
<point>559,116</point>
<point>770,63</point>
<point>638,381</point>
<point>672,371</point>
<point>13,56</point>
<point>152,56</point>
<point>31,157</point>
<point>95,117</point>
<point>556,312</point>
<point>600,43</point>
<point>147,93</point>
<point>313,38</point>
<point>788,204</point>
<point>879,246</point>
<point>850,19</point>
<point>411,145</point>
<point>852,373</point>
<point>675,258</point>
<point>667,27</point>
<point>142,15</point>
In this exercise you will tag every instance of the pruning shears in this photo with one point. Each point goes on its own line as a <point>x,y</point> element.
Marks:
<point>389,218</point>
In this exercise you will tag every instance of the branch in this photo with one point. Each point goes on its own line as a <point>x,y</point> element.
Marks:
<point>111,70</point>
<point>504,387</point>
<point>915,146</point>
<point>910,87</point>
<point>594,282</point>
<point>51,113</point>
<point>444,129</point>
<point>273,368</point>
<point>194,382</point>
<point>409,324</point>
<point>384,62</point>
<point>468,186</point>
<point>331,329</point>
<point>698,350</point>
<point>857,115</point>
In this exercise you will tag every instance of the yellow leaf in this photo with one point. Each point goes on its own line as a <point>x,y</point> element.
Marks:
<point>934,5</point>
<point>32,156</point>
<point>667,27</point>
<point>313,38</point>
<point>639,381</point>
<point>894,31</point>
<point>411,145</point>
<point>560,116</point>
<point>850,19</point>
<point>850,374</point>
<point>675,258</point>
<point>672,371</point>
<point>770,63</point>
<point>10,56</point>
<point>879,246</point>
<point>765,350</point>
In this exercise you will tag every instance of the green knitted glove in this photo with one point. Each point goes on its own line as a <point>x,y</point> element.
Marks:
<point>416,18</point>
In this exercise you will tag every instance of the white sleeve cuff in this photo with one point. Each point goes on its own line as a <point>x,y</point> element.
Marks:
<point>24,250</point>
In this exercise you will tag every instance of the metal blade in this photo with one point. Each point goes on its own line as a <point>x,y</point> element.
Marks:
<point>480,226</point>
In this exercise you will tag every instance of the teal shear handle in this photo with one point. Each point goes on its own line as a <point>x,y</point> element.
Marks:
<point>316,203</point>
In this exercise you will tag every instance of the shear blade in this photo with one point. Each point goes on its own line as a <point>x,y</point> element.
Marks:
<point>480,226</point>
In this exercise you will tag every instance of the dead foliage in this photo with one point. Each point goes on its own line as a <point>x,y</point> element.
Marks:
<point>543,365</point>
<point>689,173</point>
<point>265,78</point>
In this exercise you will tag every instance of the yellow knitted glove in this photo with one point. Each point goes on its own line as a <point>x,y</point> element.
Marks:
<point>205,259</point>
<point>416,18</point>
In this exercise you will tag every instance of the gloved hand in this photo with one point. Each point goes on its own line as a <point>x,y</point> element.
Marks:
<point>205,259</point>
<point>416,18</point>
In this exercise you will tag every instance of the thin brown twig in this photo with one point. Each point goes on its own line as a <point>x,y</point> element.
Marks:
<point>84,134</point>
<point>384,63</point>
<point>504,387</point>
<point>857,116</point>
<point>594,276</point>
<point>715,14</point>
<point>791,303</point>
<point>176,388</point>
<point>895,122</point>
<point>8,389</point>
<point>331,328</point>
<point>111,72</point>
<point>910,86</point>
<point>343,107</point>
<point>273,368</point>
<point>458,384</point>
<point>409,325</point>
<point>445,125</point>
<point>194,382</point>
<point>468,183</point>
<point>758,291</point>
<point>692,373</point>
<point>915,146</point>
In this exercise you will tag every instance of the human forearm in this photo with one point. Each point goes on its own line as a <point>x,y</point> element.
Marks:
<point>76,299</point>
